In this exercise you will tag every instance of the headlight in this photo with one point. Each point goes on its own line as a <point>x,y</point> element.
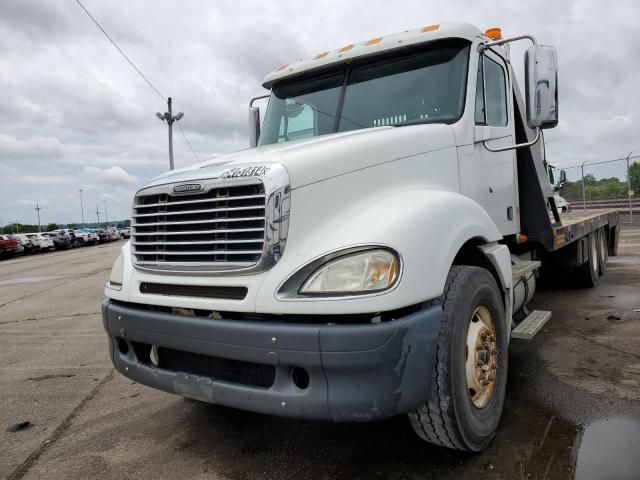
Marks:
<point>117,273</point>
<point>361,272</point>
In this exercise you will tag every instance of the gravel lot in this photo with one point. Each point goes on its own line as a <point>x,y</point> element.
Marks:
<point>573,401</point>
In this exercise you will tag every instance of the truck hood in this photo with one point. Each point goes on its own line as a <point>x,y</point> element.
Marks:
<point>319,158</point>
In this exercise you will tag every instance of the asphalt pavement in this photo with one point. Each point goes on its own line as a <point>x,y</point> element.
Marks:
<point>572,408</point>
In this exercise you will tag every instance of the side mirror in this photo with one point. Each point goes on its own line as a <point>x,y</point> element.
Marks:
<point>541,86</point>
<point>254,126</point>
<point>563,176</point>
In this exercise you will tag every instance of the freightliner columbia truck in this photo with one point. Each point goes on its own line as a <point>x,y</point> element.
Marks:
<point>374,251</point>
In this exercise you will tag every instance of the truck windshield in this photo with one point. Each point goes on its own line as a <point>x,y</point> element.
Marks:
<point>419,86</point>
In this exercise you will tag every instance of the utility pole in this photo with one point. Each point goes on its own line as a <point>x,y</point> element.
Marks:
<point>98,215</point>
<point>106,218</point>
<point>38,208</point>
<point>1,225</point>
<point>81,206</point>
<point>584,203</point>
<point>629,190</point>
<point>170,119</point>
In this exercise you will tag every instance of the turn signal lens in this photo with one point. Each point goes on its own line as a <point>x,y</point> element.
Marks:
<point>117,273</point>
<point>494,33</point>
<point>368,271</point>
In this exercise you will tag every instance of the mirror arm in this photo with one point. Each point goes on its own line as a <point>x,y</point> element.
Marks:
<point>512,147</point>
<point>257,98</point>
<point>484,46</point>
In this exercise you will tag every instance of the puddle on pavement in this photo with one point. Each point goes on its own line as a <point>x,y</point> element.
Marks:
<point>22,280</point>
<point>625,259</point>
<point>530,444</point>
<point>609,449</point>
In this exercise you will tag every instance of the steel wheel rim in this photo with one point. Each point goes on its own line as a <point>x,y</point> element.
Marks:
<point>481,362</point>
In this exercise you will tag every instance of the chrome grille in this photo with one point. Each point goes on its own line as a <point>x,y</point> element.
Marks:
<point>220,227</point>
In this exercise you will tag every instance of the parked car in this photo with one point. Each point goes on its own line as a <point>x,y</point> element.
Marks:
<point>69,233</point>
<point>60,240</point>
<point>27,243</point>
<point>44,243</point>
<point>124,232</point>
<point>85,237</point>
<point>8,246</point>
<point>116,234</point>
<point>20,250</point>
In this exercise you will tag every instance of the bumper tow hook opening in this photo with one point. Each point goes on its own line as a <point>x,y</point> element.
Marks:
<point>300,377</point>
<point>123,346</point>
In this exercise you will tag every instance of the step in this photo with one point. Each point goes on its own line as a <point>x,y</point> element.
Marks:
<point>531,325</point>
<point>523,267</point>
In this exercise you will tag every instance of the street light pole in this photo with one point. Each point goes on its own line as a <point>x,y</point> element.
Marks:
<point>98,215</point>
<point>81,206</point>
<point>106,217</point>
<point>170,118</point>
<point>38,208</point>
<point>629,189</point>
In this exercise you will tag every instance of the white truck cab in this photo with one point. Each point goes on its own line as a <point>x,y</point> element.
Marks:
<point>371,254</point>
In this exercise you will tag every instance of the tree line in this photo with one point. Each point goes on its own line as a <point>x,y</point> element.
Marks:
<point>611,187</point>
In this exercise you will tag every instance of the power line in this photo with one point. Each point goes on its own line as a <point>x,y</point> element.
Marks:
<point>138,71</point>
<point>120,50</point>
<point>188,142</point>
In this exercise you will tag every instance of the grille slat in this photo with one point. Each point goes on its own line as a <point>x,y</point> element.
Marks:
<point>219,225</point>
<point>219,220</point>
<point>193,212</point>
<point>201,232</point>
<point>202,252</point>
<point>203,242</point>
<point>203,200</point>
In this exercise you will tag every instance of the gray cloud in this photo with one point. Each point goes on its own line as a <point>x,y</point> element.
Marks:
<point>75,115</point>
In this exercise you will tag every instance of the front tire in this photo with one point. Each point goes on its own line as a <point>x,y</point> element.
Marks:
<point>470,375</point>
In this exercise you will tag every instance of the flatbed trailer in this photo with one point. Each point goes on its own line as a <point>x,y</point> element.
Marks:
<point>578,223</point>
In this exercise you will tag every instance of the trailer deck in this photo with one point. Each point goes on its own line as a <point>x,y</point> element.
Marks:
<point>578,223</point>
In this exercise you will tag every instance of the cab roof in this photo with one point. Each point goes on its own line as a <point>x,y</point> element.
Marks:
<point>374,46</point>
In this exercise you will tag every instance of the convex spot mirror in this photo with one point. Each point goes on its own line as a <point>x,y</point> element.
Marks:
<point>294,109</point>
<point>541,86</point>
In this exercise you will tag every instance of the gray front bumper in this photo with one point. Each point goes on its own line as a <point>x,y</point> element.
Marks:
<point>357,371</point>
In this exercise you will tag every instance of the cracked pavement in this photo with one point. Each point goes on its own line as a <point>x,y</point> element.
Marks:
<point>572,407</point>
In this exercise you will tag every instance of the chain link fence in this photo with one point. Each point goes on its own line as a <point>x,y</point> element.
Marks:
<point>611,184</point>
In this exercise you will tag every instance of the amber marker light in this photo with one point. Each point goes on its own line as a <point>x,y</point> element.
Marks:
<point>430,28</point>
<point>494,33</point>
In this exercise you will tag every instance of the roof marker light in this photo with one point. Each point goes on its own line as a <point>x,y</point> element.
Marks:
<point>494,33</point>
<point>374,41</point>
<point>281,67</point>
<point>321,55</point>
<point>430,28</point>
<point>346,49</point>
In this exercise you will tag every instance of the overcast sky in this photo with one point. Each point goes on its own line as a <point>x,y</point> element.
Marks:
<point>75,115</point>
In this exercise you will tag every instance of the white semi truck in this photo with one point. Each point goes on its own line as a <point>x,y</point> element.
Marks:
<point>372,254</point>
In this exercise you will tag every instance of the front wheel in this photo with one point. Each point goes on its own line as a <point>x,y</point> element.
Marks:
<point>470,375</point>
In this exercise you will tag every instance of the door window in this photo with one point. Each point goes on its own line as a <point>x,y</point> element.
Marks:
<point>491,94</point>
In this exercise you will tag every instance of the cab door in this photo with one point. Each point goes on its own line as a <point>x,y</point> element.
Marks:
<point>496,171</point>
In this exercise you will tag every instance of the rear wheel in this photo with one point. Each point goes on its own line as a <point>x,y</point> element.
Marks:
<point>586,275</point>
<point>470,375</point>
<point>603,250</point>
